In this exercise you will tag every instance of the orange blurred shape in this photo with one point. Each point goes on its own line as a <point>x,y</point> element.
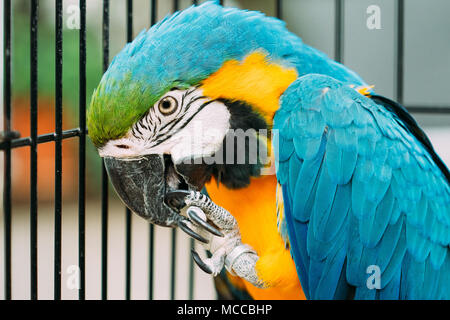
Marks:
<point>45,153</point>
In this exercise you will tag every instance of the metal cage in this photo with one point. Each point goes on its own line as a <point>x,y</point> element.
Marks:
<point>11,140</point>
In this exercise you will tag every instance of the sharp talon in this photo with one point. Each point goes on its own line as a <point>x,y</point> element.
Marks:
<point>190,232</point>
<point>199,262</point>
<point>175,199</point>
<point>194,217</point>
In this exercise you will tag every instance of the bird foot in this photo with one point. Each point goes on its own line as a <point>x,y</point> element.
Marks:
<point>219,232</point>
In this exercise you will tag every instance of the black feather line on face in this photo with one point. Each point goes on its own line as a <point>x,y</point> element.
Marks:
<point>175,122</point>
<point>156,131</point>
<point>243,116</point>
<point>233,175</point>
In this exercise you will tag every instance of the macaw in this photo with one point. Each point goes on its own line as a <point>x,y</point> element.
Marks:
<point>357,204</point>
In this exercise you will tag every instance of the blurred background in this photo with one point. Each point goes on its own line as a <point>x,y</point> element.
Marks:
<point>371,52</point>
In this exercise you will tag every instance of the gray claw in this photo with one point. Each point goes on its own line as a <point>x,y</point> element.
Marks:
<point>175,199</point>
<point>194,217</point>
<point>199,262</point>
<point>190,232</point>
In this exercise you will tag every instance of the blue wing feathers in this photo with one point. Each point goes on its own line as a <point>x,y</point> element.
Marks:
<point>298,230</point>
<point>389,263</point>
<point>431,278</point>
<point>355,249</point>
<point>284,150</point>
<point>305,150</point>
<point>392,244</point>
<point>417,217</point>
<point>324,197</point>
<point>306,182</point>
<point>334,220</point>
<point>363,293</point>
<point>392,289</point>
<point>317,249</point>
<point>415,279</point>
<point>343,289</point>
<point>283,171</point>
<point>378,183</point>
<point>295,164</point>
<point>373,227</point>
<point>395,212</point>
<point>340,158</point>
<point>327,286</point>
<point>362,190</point>
<point>316,269</point>
<point>438,254</point>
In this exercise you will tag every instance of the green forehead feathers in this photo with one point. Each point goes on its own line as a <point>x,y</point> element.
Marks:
<point>113,112</point>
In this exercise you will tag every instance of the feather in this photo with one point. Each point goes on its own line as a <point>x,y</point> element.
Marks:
<point>391,265</point>
<point>282,168</point>
<point>415,279</point>
<point>430,282</point>
<point>364,293</point>
<point>368,194</point>
<point>354,254</point>
<point>391,291</point>
<point>360,182</point>
<point>284,149</point>
<point>329,280</point>
<point>304,186</point>
<point>418,245</point>
<point>297,232</point>
<point>372,227</point>
<point>295,165</point>
<point>340,158</point>
<point>438,253</point>
<point>307,148</point>
<point>333,222</point>
<point>325,195</point>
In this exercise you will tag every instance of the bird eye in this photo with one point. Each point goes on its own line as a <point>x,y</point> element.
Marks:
<point>168,105</point>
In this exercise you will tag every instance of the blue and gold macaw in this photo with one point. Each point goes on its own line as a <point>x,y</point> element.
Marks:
<point>359,205</point>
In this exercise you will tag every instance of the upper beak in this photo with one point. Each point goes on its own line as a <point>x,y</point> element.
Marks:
<point>140,184</point>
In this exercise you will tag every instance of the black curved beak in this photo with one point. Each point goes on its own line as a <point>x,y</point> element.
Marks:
<point>153,187</point>
<point>141,185</point>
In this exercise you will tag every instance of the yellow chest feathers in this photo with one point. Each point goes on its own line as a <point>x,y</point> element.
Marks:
<point>254,208</point>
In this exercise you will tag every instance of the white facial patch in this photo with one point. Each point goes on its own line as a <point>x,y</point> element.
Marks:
<point>202,136</point>
<point>195,129</point>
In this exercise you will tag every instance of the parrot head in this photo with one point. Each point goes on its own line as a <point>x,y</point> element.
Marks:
<point>167,103</point>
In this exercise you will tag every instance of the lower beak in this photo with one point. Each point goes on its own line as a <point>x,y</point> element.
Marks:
<point>140,184</point>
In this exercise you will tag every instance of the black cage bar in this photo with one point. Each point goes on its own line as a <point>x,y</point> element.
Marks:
<point>33,146</point>
<point>82,153</point>
<point>105,36</point>
<point>10,139</point>
<point>58,147</point>
<point>7,148</point>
